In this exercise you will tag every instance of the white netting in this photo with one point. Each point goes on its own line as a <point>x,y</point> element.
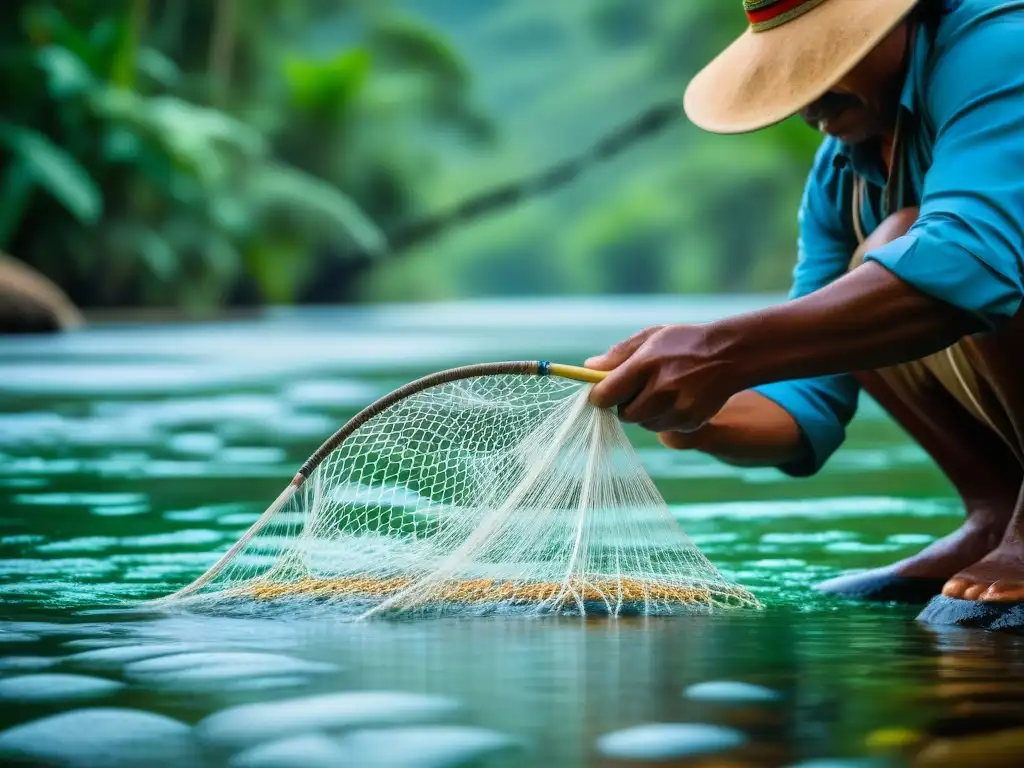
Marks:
<point>506,493</point>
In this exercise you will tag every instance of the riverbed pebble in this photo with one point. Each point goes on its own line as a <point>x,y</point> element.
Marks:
<point>48,687</point>
<point>101,737</point>
<point>25,663</point>
<point>448,746</point>
<point>253,723</point>
<point>306,751</point>
<point>726,691</point>
<point>188,670</point>
<point>668,741</point>
<point>118,656</point>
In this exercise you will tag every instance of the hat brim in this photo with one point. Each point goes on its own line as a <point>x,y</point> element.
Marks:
<point>763,78</point>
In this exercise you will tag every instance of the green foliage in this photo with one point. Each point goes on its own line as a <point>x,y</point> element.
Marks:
<point>196,154</point>
<point>126,161</point>
<point>327,87</point>
<point>685,212</point>
<point>40,161</point>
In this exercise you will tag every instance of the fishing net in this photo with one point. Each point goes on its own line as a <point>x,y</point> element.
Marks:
<point>482,490</point>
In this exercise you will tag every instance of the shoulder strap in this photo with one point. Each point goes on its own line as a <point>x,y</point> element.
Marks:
<point>857,205</point>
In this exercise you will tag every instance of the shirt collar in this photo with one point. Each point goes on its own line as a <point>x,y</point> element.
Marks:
<point>864,160</point>
<point>915,70</point>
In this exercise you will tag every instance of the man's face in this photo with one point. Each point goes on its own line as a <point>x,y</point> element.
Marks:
<point>863,104</point>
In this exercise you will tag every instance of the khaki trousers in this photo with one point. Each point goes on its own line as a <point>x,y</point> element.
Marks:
<point>959,371</point>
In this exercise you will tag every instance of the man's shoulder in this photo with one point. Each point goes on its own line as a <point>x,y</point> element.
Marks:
<point>976,46</point>
<point>957,19</point>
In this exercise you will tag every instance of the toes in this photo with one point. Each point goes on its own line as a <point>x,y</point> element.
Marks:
<point>957,588</point>
<point>975,591</point>
<point>1004,592</point>
<point>961,588</point>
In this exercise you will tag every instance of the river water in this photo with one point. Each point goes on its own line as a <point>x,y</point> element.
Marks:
<point>131,455</point>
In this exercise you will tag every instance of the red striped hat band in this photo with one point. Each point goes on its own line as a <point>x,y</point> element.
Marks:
<point>768,14</point>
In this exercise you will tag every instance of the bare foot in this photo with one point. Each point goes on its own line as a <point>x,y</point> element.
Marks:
<point>997,577</point>
<point>921,577</point>
<point>979,535</point>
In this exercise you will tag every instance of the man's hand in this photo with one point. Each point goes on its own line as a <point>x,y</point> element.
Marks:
<point>675,378</point>
<point>667,378</point>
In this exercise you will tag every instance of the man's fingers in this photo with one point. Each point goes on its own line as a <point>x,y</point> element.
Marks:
<point>621,352</point>
<point>618,387</point>
<point>652,409</point>
<point>625,379</point>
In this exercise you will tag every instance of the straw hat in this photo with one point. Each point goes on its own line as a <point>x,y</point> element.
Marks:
<point>793,52</point>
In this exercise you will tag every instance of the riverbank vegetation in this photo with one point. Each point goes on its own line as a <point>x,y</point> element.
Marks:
<point>197,155</point>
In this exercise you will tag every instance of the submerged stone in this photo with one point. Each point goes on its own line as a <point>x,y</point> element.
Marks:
<point>46,687</point>
<point>306,751</point>
<point>971,613</point>
<point>254,723</point>
<point>17,637</point>
<point>101,737</point>
<point>667,741</point>
<point>726,691</point>
<point>117,656</point>
<point>23,663</point>
<point>438,746</point>
<point>261,683</point>
<point>185,669</point>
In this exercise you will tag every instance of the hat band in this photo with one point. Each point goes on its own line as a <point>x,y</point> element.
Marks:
<point>768,14</point>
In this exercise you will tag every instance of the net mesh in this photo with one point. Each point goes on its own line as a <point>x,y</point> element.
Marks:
<point>495,494</point>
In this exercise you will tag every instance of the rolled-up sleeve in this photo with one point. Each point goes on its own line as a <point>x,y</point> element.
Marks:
<point>967,245</point>
<point>821,407</point>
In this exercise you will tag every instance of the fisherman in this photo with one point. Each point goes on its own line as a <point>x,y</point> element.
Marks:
<point>908,281</point>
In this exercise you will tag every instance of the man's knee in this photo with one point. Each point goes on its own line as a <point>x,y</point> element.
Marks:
<point>893,228</point>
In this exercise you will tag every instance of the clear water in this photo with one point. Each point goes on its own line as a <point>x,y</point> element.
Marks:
<point>129,456</point>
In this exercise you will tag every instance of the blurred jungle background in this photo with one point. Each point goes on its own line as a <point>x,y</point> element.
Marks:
<point>202,155</point>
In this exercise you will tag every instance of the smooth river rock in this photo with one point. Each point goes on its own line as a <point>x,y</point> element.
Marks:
<point>307,751</point>
<point>118,656</point>
<point>191,671</point>
<point>438,746</point>
<point>729,692</point>
<point>26,663</point>
<point>101,738</point>
<point>668,741</point>
<point>47,687</point>
<point>254,723</point>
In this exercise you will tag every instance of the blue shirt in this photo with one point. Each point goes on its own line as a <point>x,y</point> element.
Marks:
<point>963,112</point>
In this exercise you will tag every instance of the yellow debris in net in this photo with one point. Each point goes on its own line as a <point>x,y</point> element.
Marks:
<point>484,590</point>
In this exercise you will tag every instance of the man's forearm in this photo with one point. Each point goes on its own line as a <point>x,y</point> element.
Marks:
<point>750,431</point>
<point>866,320</point>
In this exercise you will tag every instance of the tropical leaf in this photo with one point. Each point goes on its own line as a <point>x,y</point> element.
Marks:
<point>158,68</point>
<point>327,86</point>
<point>55,170</point>
<point>137,240</point>
<point>67,74</point>
<point>276,186</point>
<point>407,44</point>
<point>16,187</point>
